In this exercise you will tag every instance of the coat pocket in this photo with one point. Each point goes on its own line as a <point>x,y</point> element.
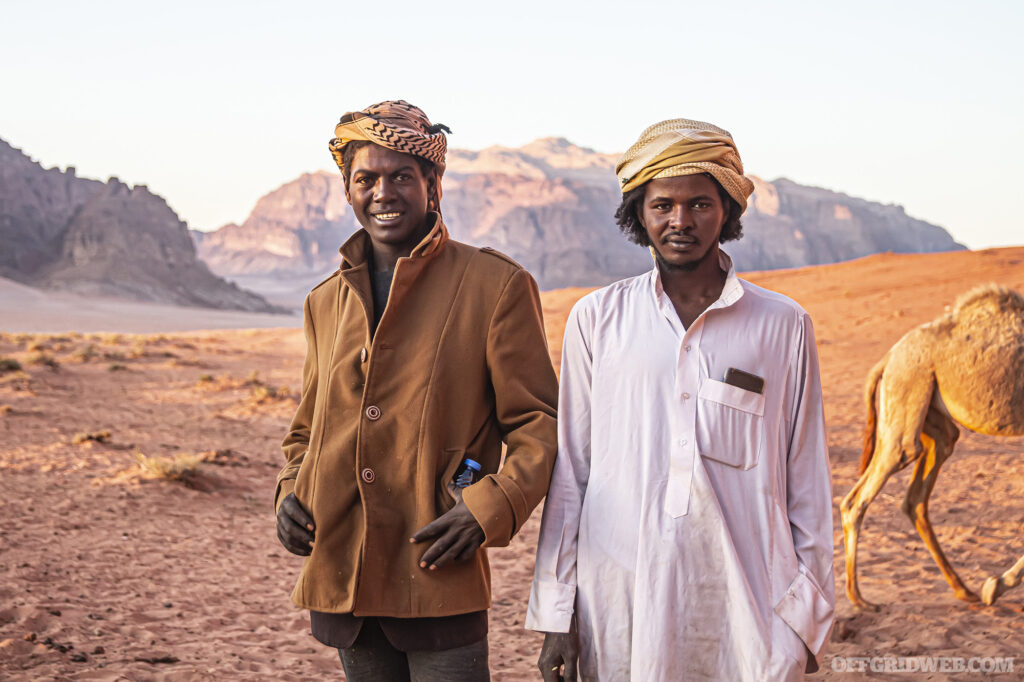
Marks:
<point>452,458</point>
<point>730,424</point>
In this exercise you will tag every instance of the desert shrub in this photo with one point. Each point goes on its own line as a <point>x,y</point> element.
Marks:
<point>85,354</point>
<point>84,437</point>
<point>9,365</point>
<point>180,467</point>
<point>45,359</point>
<point>114,355</point>
<point>116,368</point>
<point>6,409</point>
<point>263,392</point>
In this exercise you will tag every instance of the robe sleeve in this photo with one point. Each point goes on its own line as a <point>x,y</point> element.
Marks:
<point>808,606</point>
<point>553,594</point>
<point>296,443</point>
<point>525,401</point>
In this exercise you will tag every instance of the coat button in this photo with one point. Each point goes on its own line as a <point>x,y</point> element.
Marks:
<point>373,413</point>
<point>368,475</point>
<point>362,354</point>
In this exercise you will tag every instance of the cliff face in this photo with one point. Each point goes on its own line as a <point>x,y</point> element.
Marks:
<point>88,237</point>
<point>790,225</point>
<point>550,205</point>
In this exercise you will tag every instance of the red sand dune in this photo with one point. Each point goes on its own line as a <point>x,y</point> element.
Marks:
<point>110,575</point>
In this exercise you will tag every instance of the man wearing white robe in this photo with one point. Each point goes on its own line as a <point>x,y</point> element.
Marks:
<point>687,533</point>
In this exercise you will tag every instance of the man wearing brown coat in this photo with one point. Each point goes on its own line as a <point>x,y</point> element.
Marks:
<point>422,353</point>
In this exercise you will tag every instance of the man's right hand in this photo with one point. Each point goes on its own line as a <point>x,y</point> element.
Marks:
<point>559,649</point>
<point>295,528</point>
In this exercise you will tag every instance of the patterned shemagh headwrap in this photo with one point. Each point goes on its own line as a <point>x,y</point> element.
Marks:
<point>397,125</point>
<point>683,147</point>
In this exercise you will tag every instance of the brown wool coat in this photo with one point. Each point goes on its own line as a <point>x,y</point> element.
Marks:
<point>458,364</point>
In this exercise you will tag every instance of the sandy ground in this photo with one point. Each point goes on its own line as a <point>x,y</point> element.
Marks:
<point>107,574</point>
<point>26,309</point>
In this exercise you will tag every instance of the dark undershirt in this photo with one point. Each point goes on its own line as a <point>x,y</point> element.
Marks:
<point>381,287</point>
<point>340,630</point>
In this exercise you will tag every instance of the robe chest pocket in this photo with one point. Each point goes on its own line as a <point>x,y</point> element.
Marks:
<point>730,424</point>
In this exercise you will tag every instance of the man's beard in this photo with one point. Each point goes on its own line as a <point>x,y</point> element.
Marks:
<point>684,267</point>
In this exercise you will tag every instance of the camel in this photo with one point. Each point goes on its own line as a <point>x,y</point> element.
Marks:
<point>966,368</point>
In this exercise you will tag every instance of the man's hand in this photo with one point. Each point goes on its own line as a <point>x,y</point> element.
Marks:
<point>294,527</point>
<point>458,533</point>
<point>559,649</point>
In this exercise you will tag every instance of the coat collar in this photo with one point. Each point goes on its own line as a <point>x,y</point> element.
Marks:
<point>355,250</point>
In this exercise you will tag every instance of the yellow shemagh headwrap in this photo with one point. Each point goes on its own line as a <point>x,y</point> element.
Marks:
<point>397,125</point>
<point>683,147</point>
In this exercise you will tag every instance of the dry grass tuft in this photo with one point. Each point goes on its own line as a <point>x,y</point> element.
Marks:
<point>98,437</point>
<point>44,359</point>
<point>85,354</point>
<point>5,410</point>
<point>110,339</point>
<point>117,368</point>
<point>9,365</point>
<point>180,467</point>
<point>263,392</point>
<point>223,382</point>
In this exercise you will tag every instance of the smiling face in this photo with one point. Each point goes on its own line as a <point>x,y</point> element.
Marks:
<point>683,217</point>
<point>388,193</point>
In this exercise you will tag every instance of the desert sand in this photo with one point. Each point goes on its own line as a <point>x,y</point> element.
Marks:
<point>108,574</point>
<point>27,309</point>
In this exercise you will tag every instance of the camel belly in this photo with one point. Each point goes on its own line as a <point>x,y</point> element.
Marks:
<point>983,390</point>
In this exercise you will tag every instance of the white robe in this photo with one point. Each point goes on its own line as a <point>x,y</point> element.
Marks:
<point>689,522</point>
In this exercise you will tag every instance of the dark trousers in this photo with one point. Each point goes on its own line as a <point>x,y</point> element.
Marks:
<point>372,658</point>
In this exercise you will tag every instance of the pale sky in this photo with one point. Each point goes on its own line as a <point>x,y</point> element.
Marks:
<point>213,104</point>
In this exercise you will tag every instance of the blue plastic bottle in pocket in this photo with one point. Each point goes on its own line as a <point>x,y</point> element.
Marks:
<point>467,473</point>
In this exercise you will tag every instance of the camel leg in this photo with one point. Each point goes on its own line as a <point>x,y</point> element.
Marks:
<point>995,587</point>
<point>938,438</point>
<point>885,462</point>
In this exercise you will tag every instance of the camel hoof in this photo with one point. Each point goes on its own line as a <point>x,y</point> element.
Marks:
<point>990,591</point>
<point>862,604</point>
<point>967,595</point>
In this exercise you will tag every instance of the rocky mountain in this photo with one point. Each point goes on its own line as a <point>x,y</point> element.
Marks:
<point>102,239</point>
<point>549,205</point>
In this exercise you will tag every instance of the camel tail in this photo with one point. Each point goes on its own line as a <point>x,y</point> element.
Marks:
<point>871,423</point>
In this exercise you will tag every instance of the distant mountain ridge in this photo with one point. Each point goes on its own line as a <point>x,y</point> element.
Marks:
<point>550,205</point>
<point>102,239</point>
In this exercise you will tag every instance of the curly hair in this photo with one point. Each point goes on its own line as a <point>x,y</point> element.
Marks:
<point>627,215</point>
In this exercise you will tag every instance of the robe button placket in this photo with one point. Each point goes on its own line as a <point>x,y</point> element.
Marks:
<point>373,413</point>
<point>368,475</point>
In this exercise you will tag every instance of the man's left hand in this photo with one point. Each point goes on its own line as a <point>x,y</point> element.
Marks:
<point>458,535</point>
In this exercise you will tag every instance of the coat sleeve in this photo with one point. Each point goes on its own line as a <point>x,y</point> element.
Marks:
<point>553,595</point>
<point>525,399</point>
<point>296,443</point>
<point>809,604</point>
